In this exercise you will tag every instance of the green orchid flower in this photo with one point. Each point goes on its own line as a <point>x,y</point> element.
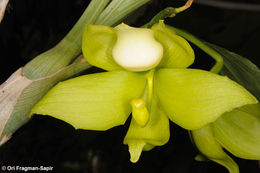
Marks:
<point>237,131</point>
<point>147,76</point>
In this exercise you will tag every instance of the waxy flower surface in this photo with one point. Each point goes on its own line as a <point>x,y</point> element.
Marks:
<point>147,76</point>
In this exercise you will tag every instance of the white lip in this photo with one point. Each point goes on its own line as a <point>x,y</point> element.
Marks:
<point>136,49</point>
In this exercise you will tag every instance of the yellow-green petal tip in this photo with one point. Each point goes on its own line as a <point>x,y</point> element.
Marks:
<point>135,150</point>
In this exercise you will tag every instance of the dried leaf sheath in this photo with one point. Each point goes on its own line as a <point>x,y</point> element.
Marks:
<point>10,92</point>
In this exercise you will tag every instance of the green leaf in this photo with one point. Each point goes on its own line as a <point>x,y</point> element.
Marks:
<point>155,133</point>
<point>209,147</point>
<point>67,49</point>
<point>240,70</point>
<point>239,131</point>
<point>24,101</point>
<point>96,101</point>
<point>177,52</point>
<point>193,98</point>
<point>97,44</point>
<point>118,10</point>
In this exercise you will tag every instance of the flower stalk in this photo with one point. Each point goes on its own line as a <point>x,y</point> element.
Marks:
<point>168,12</point>
<point>203,46</point>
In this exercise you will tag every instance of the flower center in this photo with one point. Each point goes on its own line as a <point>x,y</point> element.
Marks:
<point>136,49</point>
<point>141,107</point>
<point>140,112</point>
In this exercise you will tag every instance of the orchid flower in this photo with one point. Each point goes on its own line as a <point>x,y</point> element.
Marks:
<point>148,76</point>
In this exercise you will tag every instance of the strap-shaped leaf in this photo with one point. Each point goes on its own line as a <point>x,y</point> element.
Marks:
<point>96,101</point>
<point>240,69</point>
<point>177,52</point>
<point>117,10</point>
<point>30,95</point>
<point>239,131</point>
<point>60,56</point>
<point>155,133</point>
<point>209,147</point>
<point>97,44</point>
<point>193,98</point>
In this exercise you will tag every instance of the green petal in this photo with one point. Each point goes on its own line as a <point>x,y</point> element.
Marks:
<point>177,51</point>
<point>155,133</point>
<point>239,131</point>
<point>209,147</point>
<point>96,101</point>
<point>193,98</point>
<point>97,44</point>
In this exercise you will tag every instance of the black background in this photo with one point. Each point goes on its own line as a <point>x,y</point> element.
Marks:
<point>31,27</point>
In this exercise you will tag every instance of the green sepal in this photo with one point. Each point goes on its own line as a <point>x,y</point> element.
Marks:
<point>210,148</point>
<point>238,131</point>
<point>97,44</point>
<point>155,133</point>
<point>96,102</point>
<point>193,98</point>
<point>177,52</point>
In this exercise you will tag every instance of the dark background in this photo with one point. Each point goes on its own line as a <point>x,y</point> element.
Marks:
<point>31,27</point>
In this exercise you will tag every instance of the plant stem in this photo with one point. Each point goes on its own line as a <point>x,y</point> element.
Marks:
<point>167,12</point>
<point>211,52</point>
